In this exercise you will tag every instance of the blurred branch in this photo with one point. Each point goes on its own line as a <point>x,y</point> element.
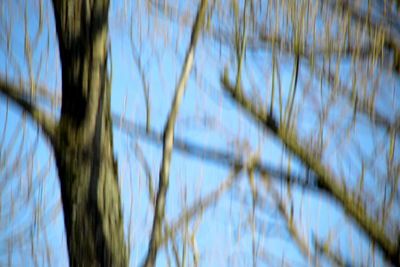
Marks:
<point>291,226</point>
<point>171,237</point>
<point>335,258</point>
<point>146,166</point>
<point>361,104</point>
<point>216,156</point>
<point>168,139</point>
<point>374,22</point>
<point>325,178</point>
<point>240,49</point>
<point>201,204</point>
<point>256,43</point>
<point>138,62</point>
<point>20,99</point>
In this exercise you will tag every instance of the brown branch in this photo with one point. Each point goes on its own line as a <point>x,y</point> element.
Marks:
<point>19,98</point>
<point>325,178</point>
<point>168,141</point>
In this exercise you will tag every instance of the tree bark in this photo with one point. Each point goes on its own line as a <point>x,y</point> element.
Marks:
<point>83,141</point>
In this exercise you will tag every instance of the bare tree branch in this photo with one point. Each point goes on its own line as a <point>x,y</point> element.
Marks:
<point>325,178</point>
<point>376,21</point>
<point>360,103</point>
<point>216,156</point>
<point>298,238</point>
<point>20,99</point>
<point>203,203</point>
<point>156,237</point>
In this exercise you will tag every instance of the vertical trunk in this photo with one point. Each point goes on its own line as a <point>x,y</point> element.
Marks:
<point>84,146</point>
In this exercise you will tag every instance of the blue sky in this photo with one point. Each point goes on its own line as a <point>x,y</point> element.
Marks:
<point>207,117</point>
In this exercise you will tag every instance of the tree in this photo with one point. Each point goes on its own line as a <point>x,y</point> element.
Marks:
<point>314,89</point>
<point>82,138</point>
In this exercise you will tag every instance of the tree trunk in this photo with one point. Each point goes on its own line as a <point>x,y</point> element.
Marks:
<point>84,144</point>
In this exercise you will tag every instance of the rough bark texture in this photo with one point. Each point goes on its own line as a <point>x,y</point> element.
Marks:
<point>83,143</point>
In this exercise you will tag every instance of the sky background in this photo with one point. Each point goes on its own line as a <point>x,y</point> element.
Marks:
<point>207,117</point>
